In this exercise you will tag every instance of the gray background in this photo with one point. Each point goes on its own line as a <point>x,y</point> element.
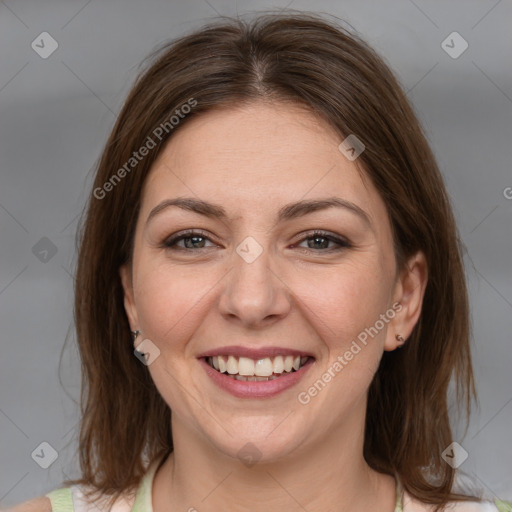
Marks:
<point>57,112</point>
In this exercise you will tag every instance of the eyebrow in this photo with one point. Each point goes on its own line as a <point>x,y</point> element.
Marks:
<point>287,212</point>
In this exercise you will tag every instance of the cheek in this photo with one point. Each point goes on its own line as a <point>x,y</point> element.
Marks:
<point>347,300</point>
<point>166,298</point>
<point>346,307</point>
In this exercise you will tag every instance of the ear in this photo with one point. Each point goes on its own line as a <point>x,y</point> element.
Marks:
<point>409,292</point>
<point>129,302</point>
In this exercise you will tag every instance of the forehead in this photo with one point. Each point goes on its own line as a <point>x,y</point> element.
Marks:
<point>257,157</point>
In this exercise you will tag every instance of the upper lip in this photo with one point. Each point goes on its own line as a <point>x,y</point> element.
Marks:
<point>254,353</point>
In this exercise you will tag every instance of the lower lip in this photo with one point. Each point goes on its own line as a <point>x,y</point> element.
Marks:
<point>252,389</point>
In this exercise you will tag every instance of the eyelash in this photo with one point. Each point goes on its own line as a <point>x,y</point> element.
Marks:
<point>171,242</point>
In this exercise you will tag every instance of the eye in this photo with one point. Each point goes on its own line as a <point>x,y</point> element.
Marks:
<point>197,240</point>
<point>192,240</point>
<point>321,240</point>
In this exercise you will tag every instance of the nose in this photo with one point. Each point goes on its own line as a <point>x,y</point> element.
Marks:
<point>255,295</point>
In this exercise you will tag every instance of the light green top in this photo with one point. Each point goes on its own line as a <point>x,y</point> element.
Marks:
<point>62,499</point>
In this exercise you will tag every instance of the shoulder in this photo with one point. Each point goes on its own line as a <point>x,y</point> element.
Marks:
<point>412,505</point>
<point>483,506</point>
<point>67,499</point>
<point>39,504</point>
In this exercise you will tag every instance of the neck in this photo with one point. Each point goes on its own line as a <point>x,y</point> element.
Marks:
<point>315,477</point>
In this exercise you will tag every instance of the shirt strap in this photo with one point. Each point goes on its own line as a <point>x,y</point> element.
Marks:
<point>503,506</point>
<point>399,494</point>
<point>61,500</point>
<point>143,499</point>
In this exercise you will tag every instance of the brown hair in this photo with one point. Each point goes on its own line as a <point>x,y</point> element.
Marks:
<point>332,72</point>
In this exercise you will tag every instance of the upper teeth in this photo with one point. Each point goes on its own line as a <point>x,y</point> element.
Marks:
<point>260,367</point>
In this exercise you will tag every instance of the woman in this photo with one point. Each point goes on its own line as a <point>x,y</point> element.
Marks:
<point>270,232</point>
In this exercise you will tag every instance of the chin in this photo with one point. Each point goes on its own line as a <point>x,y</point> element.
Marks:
<point>261,443</point>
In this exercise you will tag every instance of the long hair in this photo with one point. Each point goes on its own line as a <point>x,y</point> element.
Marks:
<point>301,58</point>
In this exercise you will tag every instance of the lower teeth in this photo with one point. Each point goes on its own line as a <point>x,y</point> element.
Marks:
<point>252,378</point>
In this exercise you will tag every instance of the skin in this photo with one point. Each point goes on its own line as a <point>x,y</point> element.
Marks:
<point>252,160</point>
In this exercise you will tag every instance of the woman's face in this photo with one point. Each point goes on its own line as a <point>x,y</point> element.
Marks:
<point>253,281</point>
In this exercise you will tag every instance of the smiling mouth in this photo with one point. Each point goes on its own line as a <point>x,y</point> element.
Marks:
<point>257,370</point>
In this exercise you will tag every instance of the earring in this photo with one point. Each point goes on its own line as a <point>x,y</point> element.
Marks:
<point>135,334</point>
<point>400,340</point>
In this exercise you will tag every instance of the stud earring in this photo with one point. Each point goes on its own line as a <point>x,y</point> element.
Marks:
<point>400,340</point>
